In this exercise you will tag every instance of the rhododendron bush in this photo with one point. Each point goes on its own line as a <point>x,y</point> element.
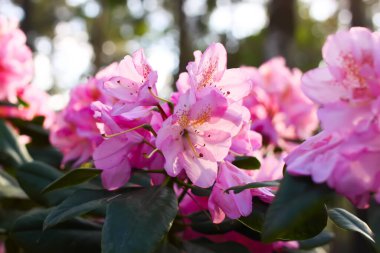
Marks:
<point>236,160</point>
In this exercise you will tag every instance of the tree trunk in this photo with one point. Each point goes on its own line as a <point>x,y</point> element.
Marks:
<point>357,9</point>
<point>281,29</point>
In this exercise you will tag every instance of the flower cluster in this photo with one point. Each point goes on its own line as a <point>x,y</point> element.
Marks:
<point>16,73</point>
<point>118,120</point>
<point>279,109</point>
<point>346,153</point>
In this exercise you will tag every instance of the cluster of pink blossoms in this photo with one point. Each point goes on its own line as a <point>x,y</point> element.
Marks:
<point>346,153</point>
<point>118,119</point>
<point>279,109</point>
<point>16,73</point>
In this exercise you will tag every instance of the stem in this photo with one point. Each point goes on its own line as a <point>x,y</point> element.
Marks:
<point>157,97</point>
<point>150,129</point>
<point>162,112</point>
<point>123,132</point>
<point>183,194</point>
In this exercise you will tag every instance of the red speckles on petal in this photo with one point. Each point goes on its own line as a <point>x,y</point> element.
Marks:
<point>208,74</point>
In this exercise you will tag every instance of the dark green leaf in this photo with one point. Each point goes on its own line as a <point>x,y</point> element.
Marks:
<point>202,223</point>
<point>238,189</point>
<point>22,102</point>
<point>166,247</point>
<point>206,246</point>
<point>73,177</point>
<point>138,222</point>
<point>247,163</point>
<point>12,153</point>
<point>202,192</point>
<point>297,212</point>
<point>346,220</point>
<point>80,202</point>
<point>374,221</point>
<point>256,219</point>
<point>9,187</point>
<point>75,236</point>
<point>7,104</point>
<point>317,241</point>
<point>33,177</point>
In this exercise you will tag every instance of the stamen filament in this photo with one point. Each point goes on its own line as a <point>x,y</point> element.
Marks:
<point>157,97</point>
<point>151,153</point>
<point>123,132</point>
<point>191,145</point>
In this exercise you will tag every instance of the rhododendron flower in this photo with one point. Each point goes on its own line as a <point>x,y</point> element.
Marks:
<point>345,154</point>
<point>75,132</point>
<point>124,149</point>
<point>133,86</point>
<point>233,205</point>
<point>16,63</point>
<point>351,72</point>
<point>347,163</point>
<point>35,100</point>
<point>198,135</point>
<point>247,140</point>
<point>279,109</point>
<point>349,83</point>
<point>209,71</point>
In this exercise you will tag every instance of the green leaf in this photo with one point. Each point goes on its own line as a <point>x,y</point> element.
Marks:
<point>12,153</point>
<point>33,177</point>
<point>73,177</point>
<point>204,245</point>
<point>202,223</point>
<point>346,220</point>
<point>81,202</point>
<point>317,241</point>
<point>138,222</point>
<point>75,236</point>
<point>256,219</point>
<point>9,187</point>
<point>247,163</point>
<point>166,247</point>
<point>297,212</point>
<point>238,189</point>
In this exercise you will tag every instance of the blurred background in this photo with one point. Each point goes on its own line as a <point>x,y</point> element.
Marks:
<point>72,39</point>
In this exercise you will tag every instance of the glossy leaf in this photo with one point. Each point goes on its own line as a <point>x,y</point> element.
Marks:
<point>138,222</point>
<point>317,241</point>
<point>73,177</point>
<point>238,189</point>
<point>12,153</point>
<point>256,219</point>
<point>247,163</point>
<point>33,177</point>
<point>346,220</point>
<point>202,223</point>
<point>297,212</point>
<point>75,236</point>
<point>9,187</point>
<point>81,202</point>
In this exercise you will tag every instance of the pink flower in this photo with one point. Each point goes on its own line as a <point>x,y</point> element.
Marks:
<point>75,132</point>
<point>348,163</point>
<point>198,136</point>
<point>16,63</point>
<point>349,83</point>
<point>351,72</point>
<point>233,205</point>
<point>247,140</point>
<point>209,71</point>
<point>133,86</point>
<point>278,107</point>
<point>36,101</point>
